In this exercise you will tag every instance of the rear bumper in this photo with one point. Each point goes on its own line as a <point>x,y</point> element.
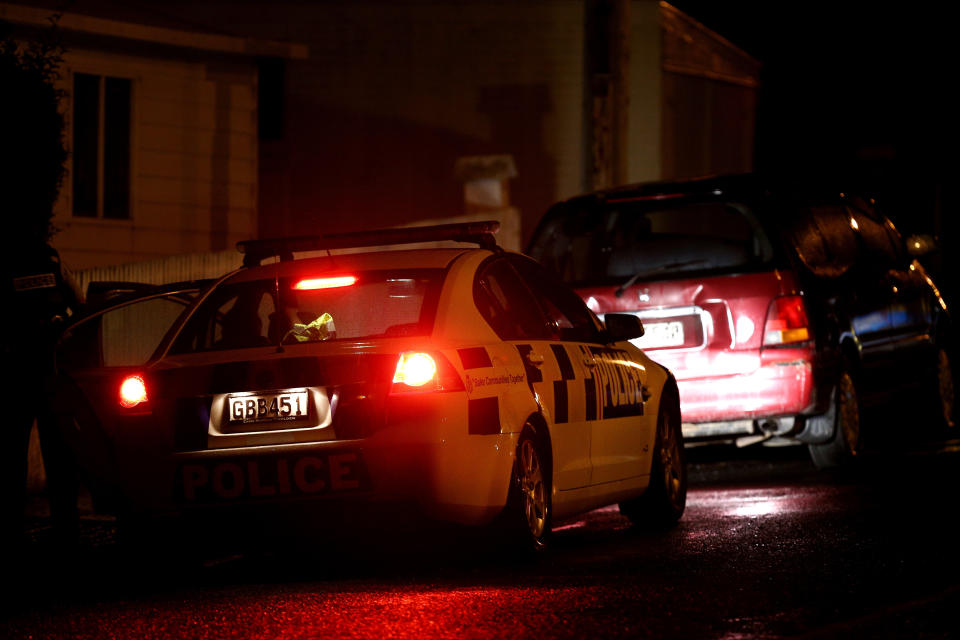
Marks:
<point>728,406</point>
<point>436,466</point>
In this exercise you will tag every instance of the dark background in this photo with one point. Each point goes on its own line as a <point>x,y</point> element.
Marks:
<point>862,91</point>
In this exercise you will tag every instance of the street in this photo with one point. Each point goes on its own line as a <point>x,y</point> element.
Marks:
<point>768,548</point>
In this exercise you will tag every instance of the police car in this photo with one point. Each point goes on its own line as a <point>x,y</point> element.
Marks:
<point>466,381</point>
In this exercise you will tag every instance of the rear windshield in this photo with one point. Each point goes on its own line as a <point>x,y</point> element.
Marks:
<point>312,308</point>
<point>610,243</point>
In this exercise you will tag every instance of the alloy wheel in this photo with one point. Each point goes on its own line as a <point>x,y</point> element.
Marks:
<point>671,462</point>
<point>848,413</point>
<point>945,388</point>
<point>532,489</point>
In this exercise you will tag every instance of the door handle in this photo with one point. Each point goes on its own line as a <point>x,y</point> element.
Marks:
<point>534,358</point>
<point>589,362</point>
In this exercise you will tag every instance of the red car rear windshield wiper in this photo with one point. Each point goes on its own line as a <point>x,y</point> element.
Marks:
<point>664,267</point>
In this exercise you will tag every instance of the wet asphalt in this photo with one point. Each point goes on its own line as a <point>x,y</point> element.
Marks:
<point>769,547</point>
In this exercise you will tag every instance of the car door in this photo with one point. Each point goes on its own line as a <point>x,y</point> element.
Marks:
<point>92,356</point>
<point>550,366</point>
<point>905,292</point>
<point>601,385</point>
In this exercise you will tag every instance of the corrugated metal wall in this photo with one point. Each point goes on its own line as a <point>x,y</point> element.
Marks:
<point>164,270</point>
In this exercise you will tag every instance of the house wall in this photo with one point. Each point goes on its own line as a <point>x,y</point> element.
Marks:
<point>193,160</point>
<point>395,92</point>
<point>709,97</point>
<point>646,101</point>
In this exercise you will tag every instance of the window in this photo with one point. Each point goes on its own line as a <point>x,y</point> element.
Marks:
<point>586,243</point>
<point>123,336</point>
<point>824,239</point>
<point>881,242</point>
<point>505,303</point>
<point>567,313</point>
<point>244,313</point>
<point>101,146</point>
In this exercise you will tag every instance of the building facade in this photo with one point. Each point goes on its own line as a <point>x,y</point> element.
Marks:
<point>367,122</point>
<point>162,133</point>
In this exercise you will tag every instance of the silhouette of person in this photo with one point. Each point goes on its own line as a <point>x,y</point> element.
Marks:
<point>35,289</point>
<point>38,295</point>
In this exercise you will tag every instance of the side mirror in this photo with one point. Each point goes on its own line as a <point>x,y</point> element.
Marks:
<point>921,245</point>
<point>622,326</point>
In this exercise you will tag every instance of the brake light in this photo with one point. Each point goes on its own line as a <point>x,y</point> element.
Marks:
<point>787,322</point>
<point>419,371</point>
<point>415,369</point>
<point>133,391</point>
<point>311,284</point>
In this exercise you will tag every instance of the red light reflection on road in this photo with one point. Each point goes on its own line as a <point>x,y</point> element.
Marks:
<point>752,503</point>
<point>741,503</point>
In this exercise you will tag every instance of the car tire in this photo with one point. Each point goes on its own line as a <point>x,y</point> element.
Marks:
<point>843,447</point>
<point>528,515</point>
<point>941,390</point>
<point>663,503</point>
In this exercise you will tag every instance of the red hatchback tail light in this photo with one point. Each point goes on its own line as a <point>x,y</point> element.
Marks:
<point>787,322</point>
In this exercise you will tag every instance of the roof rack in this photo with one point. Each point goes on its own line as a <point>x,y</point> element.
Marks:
<point>480,233</point>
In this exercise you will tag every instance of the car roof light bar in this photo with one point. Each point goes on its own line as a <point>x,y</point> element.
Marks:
<point>647,198</point>
<point>480,233</point>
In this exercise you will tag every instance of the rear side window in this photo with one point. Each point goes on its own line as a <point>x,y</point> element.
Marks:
<point>566,312</point>
<point>831,238</point>
<point>605,243</point>
<point>508,305</point>
<point>825,240</point>
<point>307,308</point>
<point>881,241</point>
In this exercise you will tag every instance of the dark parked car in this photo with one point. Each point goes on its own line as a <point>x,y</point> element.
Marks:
<point>782,312</point>
<point>121,326</point>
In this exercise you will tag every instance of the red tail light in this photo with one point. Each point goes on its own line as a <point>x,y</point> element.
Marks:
<point>787,322</point>
<point>421,371</point>
<point>312,284</point>
<point>133,391</point>
<point>415,369</point>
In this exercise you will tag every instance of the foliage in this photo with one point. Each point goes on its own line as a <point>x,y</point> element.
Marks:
<point>32,150</point>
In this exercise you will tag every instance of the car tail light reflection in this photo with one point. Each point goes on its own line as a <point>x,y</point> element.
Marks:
<point>420,371</point>
<point>133,391</point>
<point>787,322</point>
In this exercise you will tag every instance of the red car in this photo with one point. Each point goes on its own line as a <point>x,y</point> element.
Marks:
<point>781,313</point>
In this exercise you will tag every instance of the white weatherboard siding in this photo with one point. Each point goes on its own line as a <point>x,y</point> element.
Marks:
<point>193,161</point>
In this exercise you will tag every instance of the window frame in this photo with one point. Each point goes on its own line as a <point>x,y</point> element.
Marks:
<point>101,144</point>
<point>93,323</point>
<point>586,329</point>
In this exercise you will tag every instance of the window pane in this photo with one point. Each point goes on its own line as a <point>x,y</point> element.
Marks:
<point>565,310</point>
<point>86,124</point>
<point>609,243</point>
<point>379,304</point>
<point>132,333</point>
<point>116,150</point>
<point>506,304</point>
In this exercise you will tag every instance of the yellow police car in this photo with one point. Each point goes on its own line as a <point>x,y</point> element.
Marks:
<point>466,381</point>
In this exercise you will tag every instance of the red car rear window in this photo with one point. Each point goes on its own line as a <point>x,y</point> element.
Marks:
<point>650,239</point>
